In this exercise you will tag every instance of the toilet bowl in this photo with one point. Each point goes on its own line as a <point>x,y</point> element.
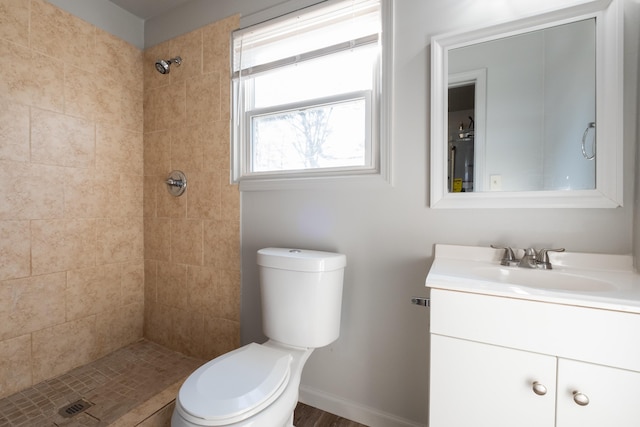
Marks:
<point>224,392</point>
<point>257,384</point>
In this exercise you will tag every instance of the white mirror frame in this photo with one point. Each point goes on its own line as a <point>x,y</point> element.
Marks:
<point>609,102</point>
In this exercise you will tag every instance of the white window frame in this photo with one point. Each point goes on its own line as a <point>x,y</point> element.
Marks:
<point>378,118</point>
<point>371,154</point>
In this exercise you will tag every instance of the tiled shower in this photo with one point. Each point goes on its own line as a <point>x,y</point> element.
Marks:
<point>94,252</point>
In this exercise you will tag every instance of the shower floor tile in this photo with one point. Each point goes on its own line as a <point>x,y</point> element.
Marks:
<point>115,385</point>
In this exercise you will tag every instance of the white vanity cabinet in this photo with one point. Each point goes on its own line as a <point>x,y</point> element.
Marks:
<point>508,362</point>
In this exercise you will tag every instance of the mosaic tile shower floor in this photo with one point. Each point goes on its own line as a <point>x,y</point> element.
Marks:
<point>115,385</point>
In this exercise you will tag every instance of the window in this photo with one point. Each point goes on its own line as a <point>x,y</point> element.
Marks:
<point>307,91</point>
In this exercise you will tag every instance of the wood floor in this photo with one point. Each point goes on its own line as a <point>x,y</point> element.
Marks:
<point>307,416</point>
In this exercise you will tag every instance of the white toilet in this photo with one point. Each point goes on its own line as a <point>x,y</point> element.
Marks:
<point>257,385</point>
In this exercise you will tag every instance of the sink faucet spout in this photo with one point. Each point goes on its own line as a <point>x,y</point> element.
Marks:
<point>529,260</point>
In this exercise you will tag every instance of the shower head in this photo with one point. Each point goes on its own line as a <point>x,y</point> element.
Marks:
<point>163,65</point>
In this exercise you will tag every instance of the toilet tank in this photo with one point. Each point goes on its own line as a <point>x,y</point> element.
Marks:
<point>301,294</point>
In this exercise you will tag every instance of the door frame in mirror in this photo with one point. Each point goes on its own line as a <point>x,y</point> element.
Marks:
<point>609,111</point>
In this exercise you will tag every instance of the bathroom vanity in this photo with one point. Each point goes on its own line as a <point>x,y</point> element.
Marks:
<point>531,347</point>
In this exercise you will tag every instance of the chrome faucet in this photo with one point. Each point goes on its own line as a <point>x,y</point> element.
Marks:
<point>531,258</point>
<point>542,260</point>
<point>508,258</point>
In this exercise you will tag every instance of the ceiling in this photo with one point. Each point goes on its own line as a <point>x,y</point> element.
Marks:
<point>146,9</point>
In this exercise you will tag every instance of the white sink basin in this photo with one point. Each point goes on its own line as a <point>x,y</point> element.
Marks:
<point>593,280</point>
<point>542,279</point>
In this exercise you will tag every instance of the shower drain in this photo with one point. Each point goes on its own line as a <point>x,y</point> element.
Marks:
<point>75,408</point>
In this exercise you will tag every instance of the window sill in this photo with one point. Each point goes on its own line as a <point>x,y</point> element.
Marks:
<point>359,182</point>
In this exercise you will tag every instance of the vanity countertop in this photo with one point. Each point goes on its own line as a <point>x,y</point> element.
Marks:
<point>581,279</point>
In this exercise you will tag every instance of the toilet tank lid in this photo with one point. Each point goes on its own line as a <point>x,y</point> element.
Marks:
<point>301,259</point>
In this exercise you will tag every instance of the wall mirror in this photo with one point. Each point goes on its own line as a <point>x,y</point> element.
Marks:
<point>528,113</point>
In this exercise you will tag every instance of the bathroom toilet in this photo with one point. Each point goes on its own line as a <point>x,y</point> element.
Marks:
<point>257,384</point>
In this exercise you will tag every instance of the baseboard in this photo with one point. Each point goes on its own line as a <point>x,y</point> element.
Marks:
<point>351,410</point>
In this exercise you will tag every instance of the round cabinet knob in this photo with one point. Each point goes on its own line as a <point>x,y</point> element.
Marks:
<point>538,388</point>
<point>580,398</point>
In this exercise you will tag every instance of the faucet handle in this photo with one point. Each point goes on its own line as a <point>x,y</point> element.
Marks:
<point>543,258</point>
<point>508,258</point>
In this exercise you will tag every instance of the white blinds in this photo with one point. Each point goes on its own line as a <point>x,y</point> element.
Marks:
<point>318,30</point>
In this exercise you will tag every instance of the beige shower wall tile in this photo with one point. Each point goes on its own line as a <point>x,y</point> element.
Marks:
<point>131,195</point>
<point>36,302</point>
<point>80,93</point>
<point>15,81</point>
<point>119,240</point>
<point>222,244</point>
<point>101,194</point>
<point>118,328</point>
<point>93,290</point>
<point>150,282</point>
<point>131,108</point>
<point>157,323</point>
<point>57,139</point>
<point>213,290</point>
<point>165,107</point>
<point>91,194</point>
<point>61,348</point>
<point>186,241</point>
<point>230,200</point>
<point>189,48</point>
<point>62,244</point>
<point>133,282</point>
<point>14,122</point>
<point>29,80</point>
<point>14,21</point>
<point>157,239</point>
<point>61,35</point>
<point>157,153</point>
<point>110,49</point>
<point>228,291</point>
<point>216,150</point>
<point>109,101</point>
<point>15,249</point>
<point>202,286</point>
<point>216,45</point>
<point>225,99</point>
<point>186,333</point>
<point>203,99</point>
<point>45,87</point>
<point>15,365</point>
<point>187,148</point>
<point>172,285</point>
<point>30,191</point>
<point>220,336</point>
<point>150,196</point>
<point>203,200</point>
<point>119,150</point>
<point>167,205</point>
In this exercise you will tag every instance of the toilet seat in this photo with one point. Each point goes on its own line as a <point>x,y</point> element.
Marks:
<point>235,386</point>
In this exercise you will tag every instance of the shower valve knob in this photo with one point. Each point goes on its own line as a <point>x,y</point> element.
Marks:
<point>176,183</point>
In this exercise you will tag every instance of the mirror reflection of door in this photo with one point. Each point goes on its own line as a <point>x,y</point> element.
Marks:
<point>461,137</point>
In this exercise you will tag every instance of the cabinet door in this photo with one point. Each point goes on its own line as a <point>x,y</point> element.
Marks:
<point>613,395</point>
<point>481,385</point>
